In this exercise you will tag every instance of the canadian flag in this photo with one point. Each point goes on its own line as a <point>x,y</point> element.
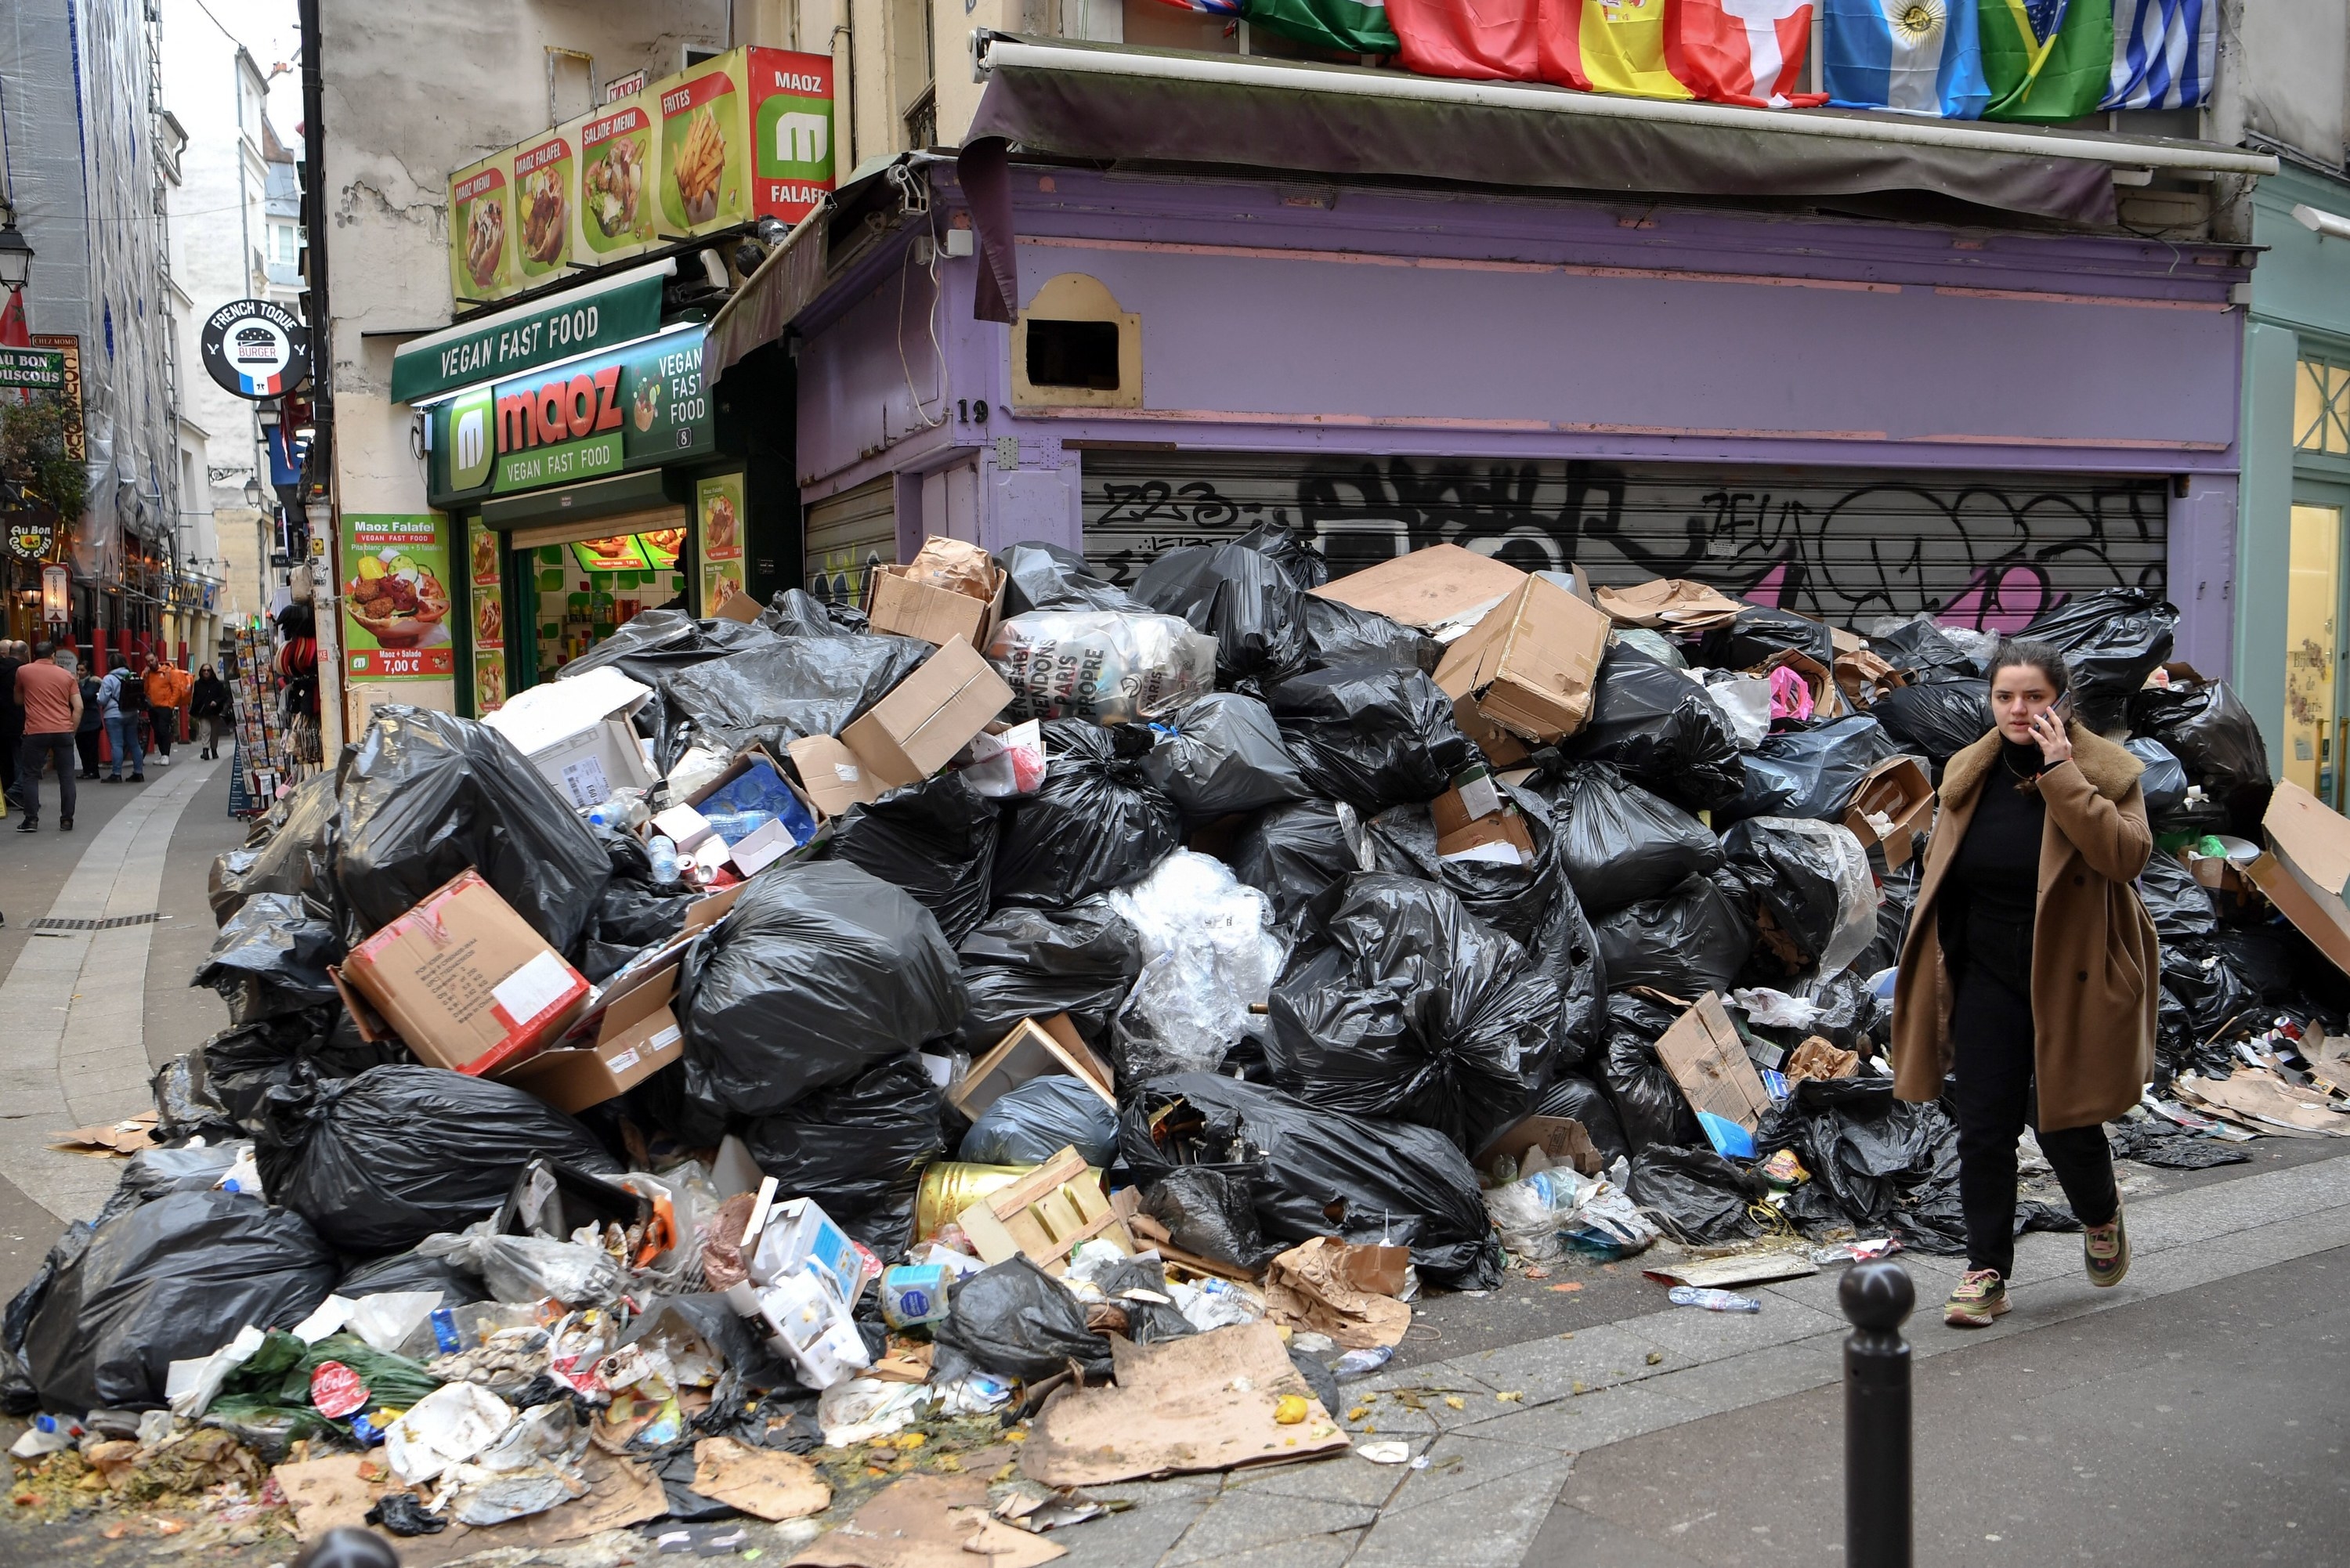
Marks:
<point>1742,51</point>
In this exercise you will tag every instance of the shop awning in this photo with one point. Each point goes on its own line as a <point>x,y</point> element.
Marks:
<point>604,314</point>
<point>782,286</point>
<point>1093,101</point>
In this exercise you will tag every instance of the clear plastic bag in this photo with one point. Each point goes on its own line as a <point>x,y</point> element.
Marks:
<point>531,1268</point>
<point>1539,1215</point>
<point>1209,955</point>
<point>1746,701</point>
<point>1109,667</point>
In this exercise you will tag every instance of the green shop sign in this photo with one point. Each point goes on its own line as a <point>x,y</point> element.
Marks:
<point>639,407</point>
<point>37,370</point>
<point>510,341</point>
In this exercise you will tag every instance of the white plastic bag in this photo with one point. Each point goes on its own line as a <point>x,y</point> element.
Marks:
<point>446,1427</point>
<point>530,1267</point>
<point>1745,701</point>
<point>1209,954</point>
<point>1109,665</point>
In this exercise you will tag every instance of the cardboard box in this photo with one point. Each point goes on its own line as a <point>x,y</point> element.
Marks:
<point>2307,868</point>
<point>1707,1059</point>
<point>1470,817</point>
<point>1562,1139</point>
<point>1530,664</point>
<point>763,847</point>
<point>906,736</point>
<point>635,1036</point>
<point>1032,1051</point>
<point>1443,591</point>
<point>1668,604</point>
<point>1827,697</point>
<point>577,734</point>
<point>465,981</point>
<point>895,602</point>
<point>1898,788</point>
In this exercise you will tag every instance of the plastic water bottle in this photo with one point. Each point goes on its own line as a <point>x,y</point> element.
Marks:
<point>613,814</point>
<point>1710,1299</point>
<point>664,852</point>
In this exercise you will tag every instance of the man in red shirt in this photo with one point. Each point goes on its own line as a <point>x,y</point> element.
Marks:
<point>51,699</point>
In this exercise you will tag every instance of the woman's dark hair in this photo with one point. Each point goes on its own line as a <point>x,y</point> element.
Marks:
<point>2040,656</point>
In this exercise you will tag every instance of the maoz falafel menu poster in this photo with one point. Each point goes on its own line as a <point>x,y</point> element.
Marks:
<point>395,596</point>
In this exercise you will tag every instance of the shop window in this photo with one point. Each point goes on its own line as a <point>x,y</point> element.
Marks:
<point>1073,345</point>
<point>2321,407</point>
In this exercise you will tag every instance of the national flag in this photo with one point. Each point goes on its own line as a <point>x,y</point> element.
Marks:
<point>1609,46</point>
<point>1742,51</point>
<point>1479,40</point>
<point>2165,53</point>
<point>2047,60</point>
<point>1209,7</point>
<point>14,333</point>
<point>1916,57</point>
<point>1344,24</point>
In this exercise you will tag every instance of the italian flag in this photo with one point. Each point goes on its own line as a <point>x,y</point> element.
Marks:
<point>2047,60</point>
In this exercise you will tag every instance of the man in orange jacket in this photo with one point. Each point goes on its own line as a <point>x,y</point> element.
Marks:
<point>167,688</point>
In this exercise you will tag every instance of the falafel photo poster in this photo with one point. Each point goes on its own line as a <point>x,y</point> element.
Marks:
<point>395,596</point>
<point>718,517</point>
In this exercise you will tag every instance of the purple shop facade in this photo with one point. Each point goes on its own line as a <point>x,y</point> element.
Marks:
<point>1853,417</point>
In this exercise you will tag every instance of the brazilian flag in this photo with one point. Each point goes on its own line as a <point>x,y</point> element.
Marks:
<point>1343,25</point>
<point>2047,60</point>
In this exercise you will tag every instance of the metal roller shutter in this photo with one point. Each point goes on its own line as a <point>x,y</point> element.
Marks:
<point>848,536</point>
<point>1848,545</point>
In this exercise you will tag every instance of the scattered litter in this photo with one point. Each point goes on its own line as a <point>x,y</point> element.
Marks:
<point>1711,1300</point>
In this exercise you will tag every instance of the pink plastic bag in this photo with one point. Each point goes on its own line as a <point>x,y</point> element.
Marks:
<point>1790,698</point>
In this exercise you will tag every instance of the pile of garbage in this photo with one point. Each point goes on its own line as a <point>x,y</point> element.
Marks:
<point>769,1067</point>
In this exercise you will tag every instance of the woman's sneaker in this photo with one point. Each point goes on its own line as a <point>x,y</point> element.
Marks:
<point>1980,1296</point>
<point>2105,1252</point>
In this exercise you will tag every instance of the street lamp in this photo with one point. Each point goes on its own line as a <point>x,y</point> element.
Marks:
<point>252,493</point>
<point>15,256</point>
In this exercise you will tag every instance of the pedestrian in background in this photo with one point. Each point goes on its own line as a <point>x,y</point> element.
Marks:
<point>2026,974</point>
<point>93,722</point>
<point>122,698</point>
<point>209,707</point>
<point>51,698</point>
<point>163,698</point>
<point>11,719</point>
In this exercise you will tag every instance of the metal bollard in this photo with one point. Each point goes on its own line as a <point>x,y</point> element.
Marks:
<point>1877,1296</point>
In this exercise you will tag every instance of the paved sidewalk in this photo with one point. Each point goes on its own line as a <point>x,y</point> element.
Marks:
<point>1499,1463</point>
<point>74,1049</point>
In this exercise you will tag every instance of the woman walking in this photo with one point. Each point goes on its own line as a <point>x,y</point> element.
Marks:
<point>2027,971</point>
<point>210,708</point>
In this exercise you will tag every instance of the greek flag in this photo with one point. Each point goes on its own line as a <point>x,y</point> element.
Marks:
<point>2165,52</point>
<point>1918,56</point>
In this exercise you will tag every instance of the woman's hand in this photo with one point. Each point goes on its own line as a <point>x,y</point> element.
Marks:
<point>2056,744</point>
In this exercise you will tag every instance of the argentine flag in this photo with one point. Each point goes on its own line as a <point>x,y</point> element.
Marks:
<point>1918,56</point>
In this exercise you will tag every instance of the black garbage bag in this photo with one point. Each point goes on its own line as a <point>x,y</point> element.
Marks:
<point>1862,1146</point>
<point>1917,648</point>
<point>1698,1196</point>
<point>1211,1213</point>
<point>1580,1097</point>
<point>2111,642</point>
<point>1338,635</point>
<point>412,1270</point>
<point>2179,904</point>
<point>1899,888</point>
<point>936,840</point>
<point>271,958</point>
<point>1040,1118</point>
<point>1650,1106</point>
<point>1663,731</point>
<point>1318,1172</point>
<point>2221,1004</point>
<point>154,1171</point>
<point>1048,576</point>
<point>426,795</point>
<point>1097,822</point>
<point>1016,1321</point>
<point>170,1281</point>
<point>1935,718</point>
<point>1033,963</point>
<point>290,851</point>
<point>2268,959</point>
<point>1692,940</point>
<point>1299,857</point>
<point>380,1161</point>
<point>1797,887</point>
<point>1931,1218</point>
<point>819,973</point>
<point>1620,844</point>
<point>2177,1048</point>
<point>657,643</point>
<point>224,1088</point>
<point>1761,632</point>
<point>1372,735</point>
<point>1416,1011</point>
<point>1221,754</point>
<point>782,689</point>
<point>1810,772</point>
<point>2165,779</point>
<point>859,1150</point>
<point>2208,728</point>
<point>1291,550</point>
<point>795,612</point>
<point>1245,600</point>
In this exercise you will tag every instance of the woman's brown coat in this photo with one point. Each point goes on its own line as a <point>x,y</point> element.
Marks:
<point>2094,962</point>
